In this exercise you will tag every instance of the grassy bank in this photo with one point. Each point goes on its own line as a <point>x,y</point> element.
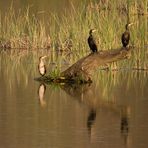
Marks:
<point>69,31</point>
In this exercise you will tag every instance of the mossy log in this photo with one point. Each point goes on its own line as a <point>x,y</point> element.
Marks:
<point>83,69</point>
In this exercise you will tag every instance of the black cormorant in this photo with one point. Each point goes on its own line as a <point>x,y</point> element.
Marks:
<point>92,42</point>
<point>126,35</point>
<point>41,66</point>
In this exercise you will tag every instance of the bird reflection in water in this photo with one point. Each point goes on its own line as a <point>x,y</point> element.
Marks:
<point>125,112</point>
<point>124,125</point>
<point>91,120</point>
<point>41,93</point>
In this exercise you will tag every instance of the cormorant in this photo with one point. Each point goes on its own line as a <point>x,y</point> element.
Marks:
<point>92,42</point>
<point>41,66</point>
<point>126,35</point>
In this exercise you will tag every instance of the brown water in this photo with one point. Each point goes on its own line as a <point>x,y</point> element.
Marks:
<point>40,8</point>
<point>110,113</point>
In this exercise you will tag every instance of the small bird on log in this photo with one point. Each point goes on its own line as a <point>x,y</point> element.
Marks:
<point>92,42</point>
<point>41,66</point>
<point>126,35</point>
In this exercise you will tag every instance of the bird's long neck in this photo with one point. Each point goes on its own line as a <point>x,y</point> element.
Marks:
<point>42,62</point>
<point>127,28</point>
<point>90,34</point>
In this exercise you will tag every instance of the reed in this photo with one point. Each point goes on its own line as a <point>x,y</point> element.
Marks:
<point>69,31</point>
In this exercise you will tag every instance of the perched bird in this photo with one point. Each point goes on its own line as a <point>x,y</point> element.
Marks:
<point>126,35</point>
<point>92,42</point>
<point>41,66</point>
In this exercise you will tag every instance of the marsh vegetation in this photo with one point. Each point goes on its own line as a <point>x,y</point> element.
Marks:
<point>68,32</point>
<point>111,111</point>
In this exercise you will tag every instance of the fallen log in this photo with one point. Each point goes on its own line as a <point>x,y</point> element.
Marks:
<point>83,69</point>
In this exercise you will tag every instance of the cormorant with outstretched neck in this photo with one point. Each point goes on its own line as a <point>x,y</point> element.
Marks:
<point>126,35</point>
<point>41,66</point>
<point>92,42</point>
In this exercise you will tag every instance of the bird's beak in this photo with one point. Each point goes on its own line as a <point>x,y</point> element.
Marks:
<point>44,57</point>
<point>130,24</point>
<point>94,30</point>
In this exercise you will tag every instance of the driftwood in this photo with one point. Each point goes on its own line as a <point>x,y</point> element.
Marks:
<point>83,69</point>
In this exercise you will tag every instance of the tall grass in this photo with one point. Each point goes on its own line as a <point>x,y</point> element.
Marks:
<point>22,31</point>
<point>69,31</point>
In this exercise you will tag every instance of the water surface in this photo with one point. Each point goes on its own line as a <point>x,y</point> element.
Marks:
<point>111,112</point>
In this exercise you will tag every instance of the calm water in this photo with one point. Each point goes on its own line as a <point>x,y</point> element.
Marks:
<point>40,8</point>
<point>110,113</point>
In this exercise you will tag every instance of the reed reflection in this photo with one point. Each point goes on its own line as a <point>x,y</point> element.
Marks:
<point>91,96</point>
<point>41,94</point>
<point>106,109</point>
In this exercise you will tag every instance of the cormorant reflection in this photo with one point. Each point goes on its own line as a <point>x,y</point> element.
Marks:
<point>41,93</point>
<point>91,119</point>
<point>125,123</point>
